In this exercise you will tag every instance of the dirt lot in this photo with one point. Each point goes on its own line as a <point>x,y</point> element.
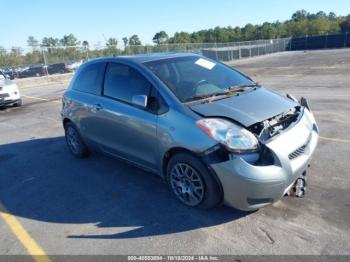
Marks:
<point>102,206</point>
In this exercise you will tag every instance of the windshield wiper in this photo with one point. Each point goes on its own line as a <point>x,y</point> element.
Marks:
<point>241,88</point>
<point>229,91</point>
<point>205,96</point>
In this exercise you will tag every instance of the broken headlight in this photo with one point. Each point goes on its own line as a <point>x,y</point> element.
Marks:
<point>232,136</point>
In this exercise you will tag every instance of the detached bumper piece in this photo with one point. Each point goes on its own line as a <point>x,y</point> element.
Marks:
<point>299,187</point>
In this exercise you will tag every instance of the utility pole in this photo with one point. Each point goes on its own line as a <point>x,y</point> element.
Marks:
<point>45,62</point>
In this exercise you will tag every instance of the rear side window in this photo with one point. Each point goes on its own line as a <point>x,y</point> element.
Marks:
<point>122,82</point>
<point>90,79</point>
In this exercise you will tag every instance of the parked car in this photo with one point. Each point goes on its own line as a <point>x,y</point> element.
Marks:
<point>12,74</point>
<point>211,132</point>
<point>59,68</point>
<point>9,92</point>
<point>72,66</point>
<point>8,73</point>
<point>33,71</point>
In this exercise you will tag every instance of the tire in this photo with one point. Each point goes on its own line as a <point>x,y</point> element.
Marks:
<point>18,103</point>
<point>186,186</point>
<point>74,141</point>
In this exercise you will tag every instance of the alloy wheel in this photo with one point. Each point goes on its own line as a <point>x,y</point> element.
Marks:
<point>73,140</point>
<point>187,184</point>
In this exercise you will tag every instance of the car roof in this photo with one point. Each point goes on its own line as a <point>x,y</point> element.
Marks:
<point>144,58</point>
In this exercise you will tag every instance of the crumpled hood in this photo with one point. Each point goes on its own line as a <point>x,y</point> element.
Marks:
<point>247,108</point>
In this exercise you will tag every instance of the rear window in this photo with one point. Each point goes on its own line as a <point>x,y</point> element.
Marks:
<point>90,79</point>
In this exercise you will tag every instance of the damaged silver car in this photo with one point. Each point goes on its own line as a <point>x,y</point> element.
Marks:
<point>212,133</point>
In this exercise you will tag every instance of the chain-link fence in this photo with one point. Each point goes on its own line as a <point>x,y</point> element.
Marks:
<point>238,50</point>
<point>20,62</point>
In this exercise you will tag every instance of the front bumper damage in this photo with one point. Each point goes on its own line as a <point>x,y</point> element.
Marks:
<point>248,186</point>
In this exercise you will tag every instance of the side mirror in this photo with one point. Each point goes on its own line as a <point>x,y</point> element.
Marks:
<point>305,102</point>
<point>139,100</point>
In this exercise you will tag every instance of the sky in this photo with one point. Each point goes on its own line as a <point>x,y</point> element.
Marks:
<point>96,21</point>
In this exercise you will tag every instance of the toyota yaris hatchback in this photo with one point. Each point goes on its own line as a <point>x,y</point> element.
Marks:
<point>212,133</point>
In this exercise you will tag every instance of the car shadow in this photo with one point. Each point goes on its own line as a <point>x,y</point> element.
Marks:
<point>40,180</point>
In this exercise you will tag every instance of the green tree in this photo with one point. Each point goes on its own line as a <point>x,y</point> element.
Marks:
<point>249,32</point>
<point>197,37</point>
<point>32,43</point>
<point>111,49</point>
<point>270,30</point>
<point>321,14</point>
<point>85,43</point>
<point>50,42</point>
<point>160,38</point>
<point>299,15</point>
<point>69,40</point>
<point>134,40</point>
<point>279,29</point>
<point>112,42</point>
<point>181,37</point>
<point>297,28</point>
<point>125,41</point>
<point>332,16</point>
<point>345,24</point>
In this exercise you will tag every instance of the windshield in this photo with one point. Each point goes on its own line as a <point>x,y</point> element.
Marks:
<point>194,77</point>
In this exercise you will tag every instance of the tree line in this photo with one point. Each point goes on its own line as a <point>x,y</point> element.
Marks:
<point>301,23</point>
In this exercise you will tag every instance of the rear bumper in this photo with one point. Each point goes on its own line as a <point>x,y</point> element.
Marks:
<point>250,187</point>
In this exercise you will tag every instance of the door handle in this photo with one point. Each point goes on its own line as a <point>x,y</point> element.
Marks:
<point>98,107</point>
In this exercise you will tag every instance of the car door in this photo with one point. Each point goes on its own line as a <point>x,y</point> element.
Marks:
<point>123,129</point>
<point>83,99</point>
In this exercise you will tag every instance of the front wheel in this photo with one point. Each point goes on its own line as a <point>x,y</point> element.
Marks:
<point>74,141</point>
<point>191,182</point>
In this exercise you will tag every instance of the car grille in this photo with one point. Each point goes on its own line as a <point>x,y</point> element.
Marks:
<point>301,150</point>
<point>4,95</point>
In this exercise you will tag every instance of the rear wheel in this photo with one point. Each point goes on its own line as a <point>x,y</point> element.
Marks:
<point>74,141</point>
<point>191,182</point>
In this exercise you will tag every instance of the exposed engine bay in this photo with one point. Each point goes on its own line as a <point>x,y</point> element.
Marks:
<point>273,126</point>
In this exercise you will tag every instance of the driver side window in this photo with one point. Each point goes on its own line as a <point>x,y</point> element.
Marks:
<point>122,82</point>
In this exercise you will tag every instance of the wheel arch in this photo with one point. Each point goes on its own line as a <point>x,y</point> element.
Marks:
<point>169,154</point>
<point>176,150</point>
<point>65,121</point>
